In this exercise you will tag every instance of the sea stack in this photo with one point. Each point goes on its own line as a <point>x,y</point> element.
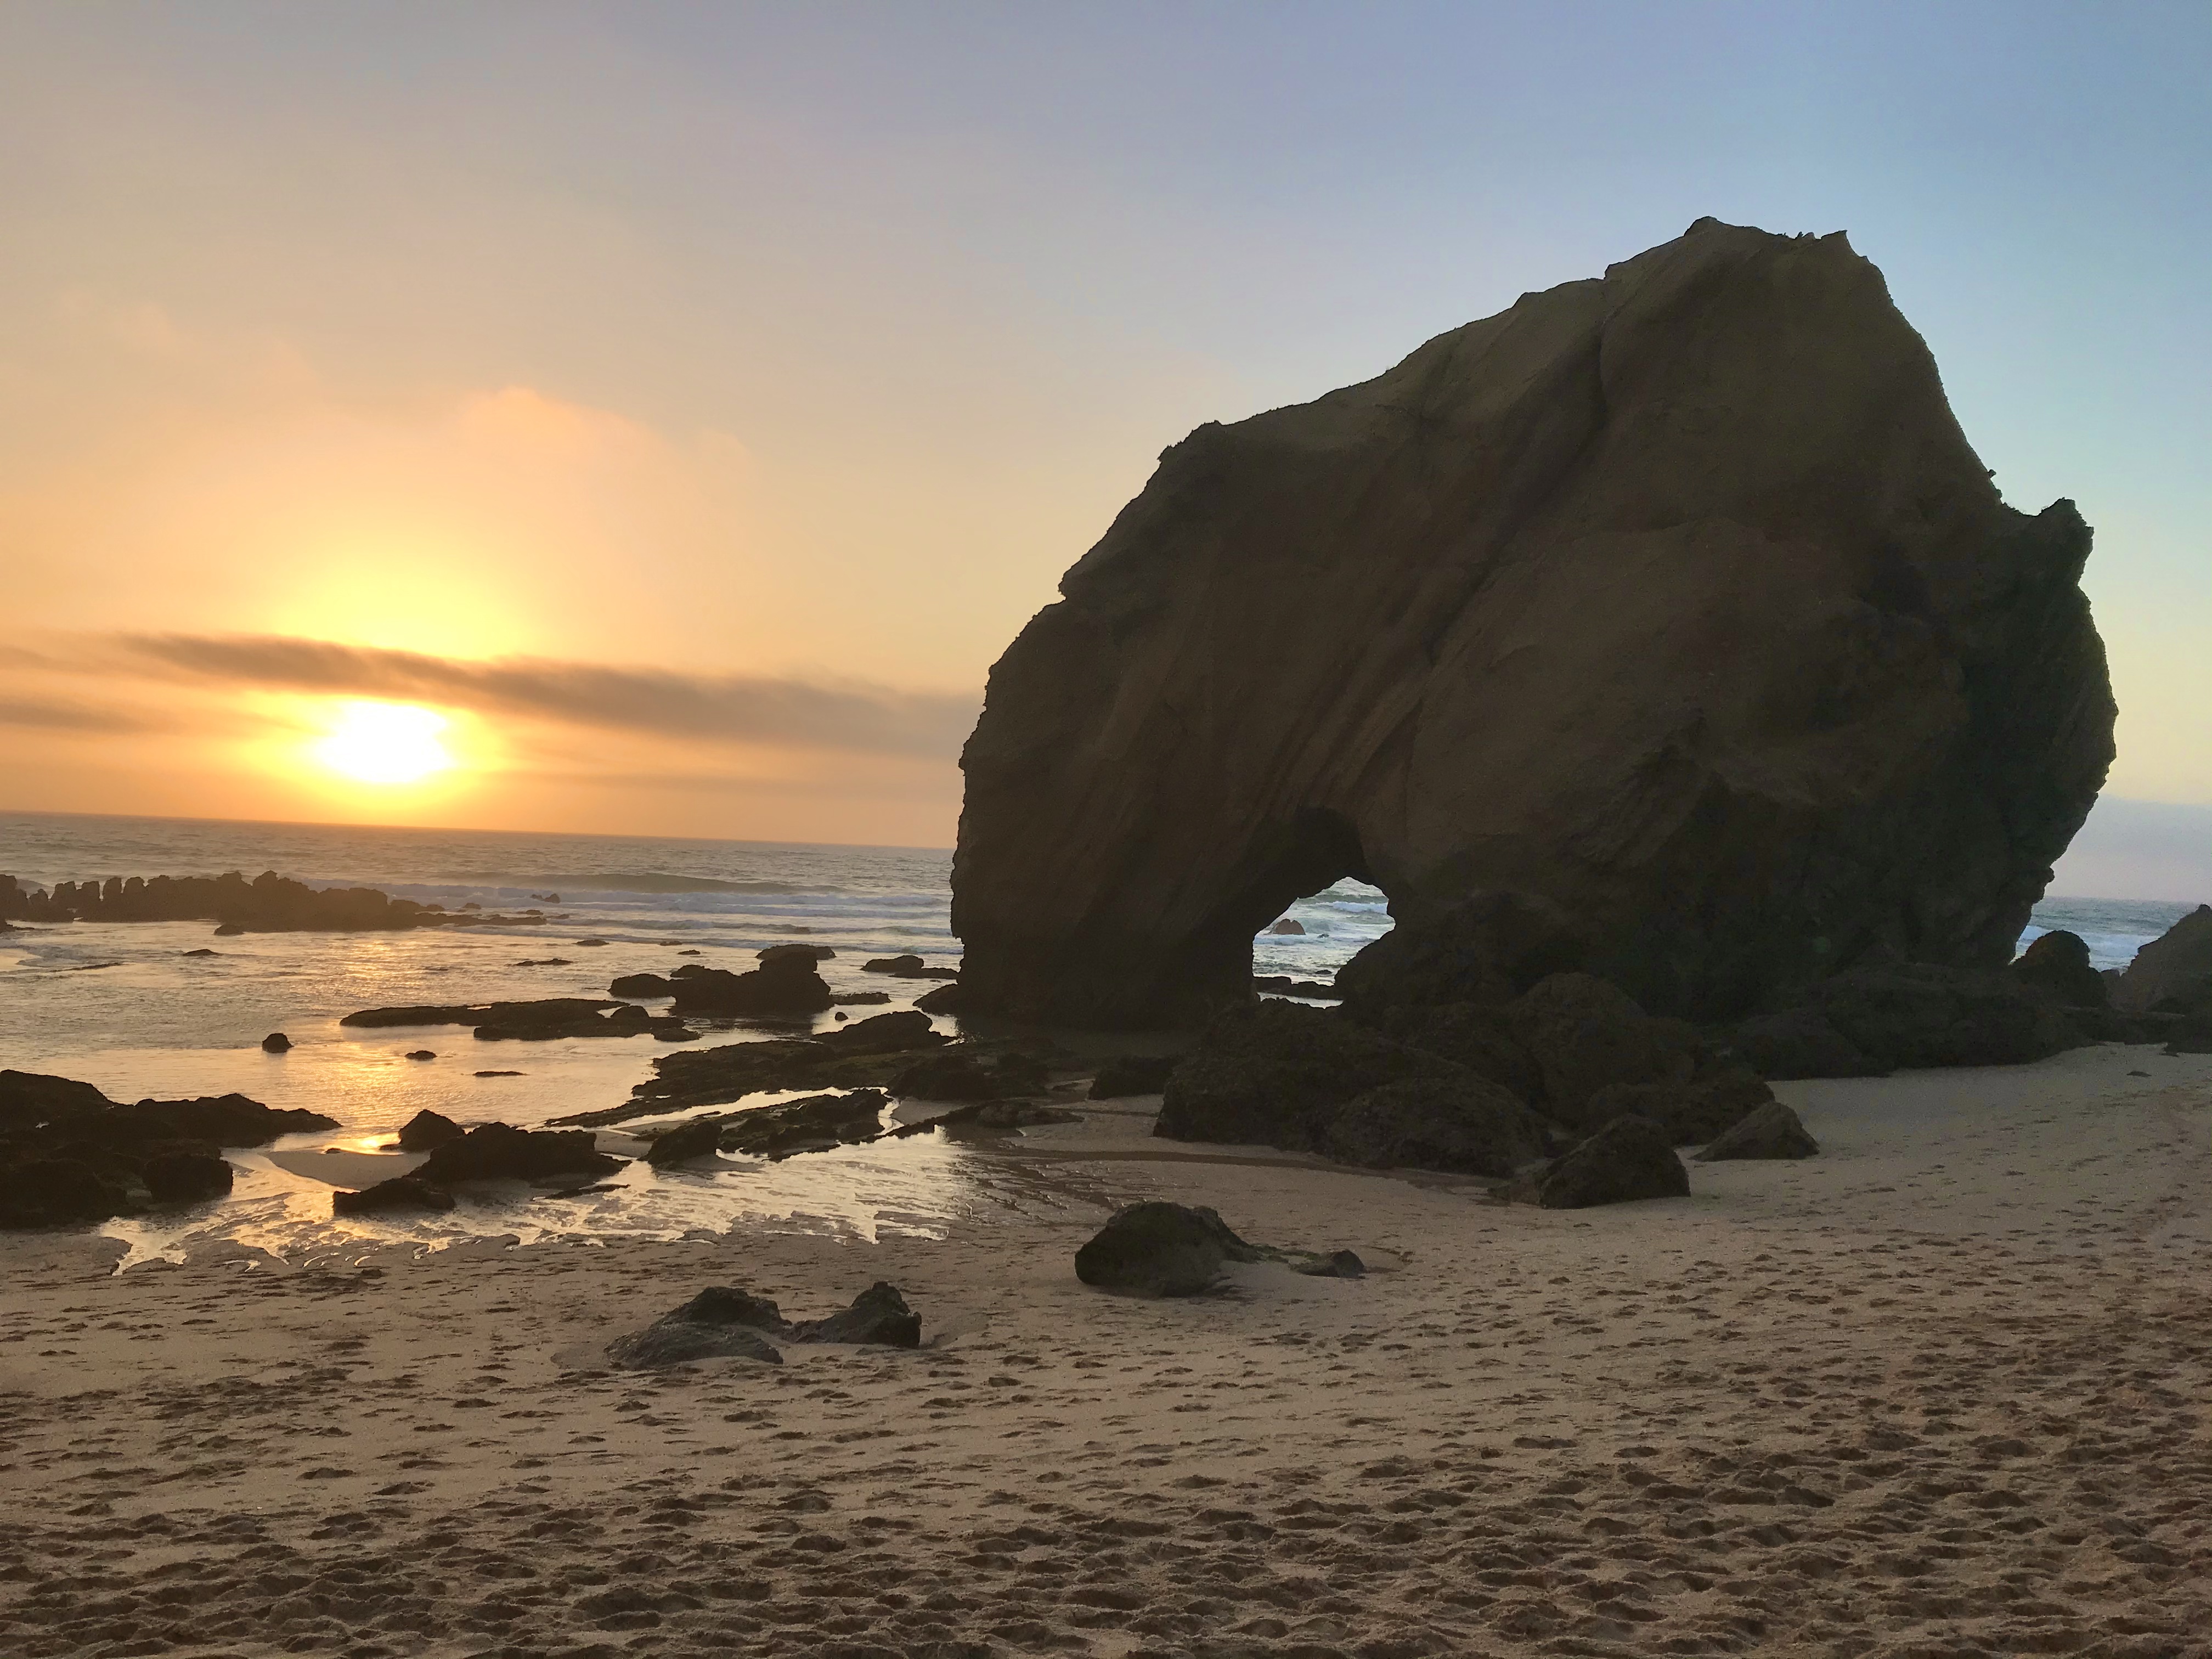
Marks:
<point>1664,626</point>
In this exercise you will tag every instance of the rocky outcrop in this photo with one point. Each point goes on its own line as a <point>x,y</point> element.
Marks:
<point>813,1125</point>
<point>1674,601</point>
<point>966,1074</point>
<point>68,1155</point>
<point>2172,973</point>
<point>689,1141</point>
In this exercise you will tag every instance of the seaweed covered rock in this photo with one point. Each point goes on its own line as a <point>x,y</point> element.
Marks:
<point>1673,603</point>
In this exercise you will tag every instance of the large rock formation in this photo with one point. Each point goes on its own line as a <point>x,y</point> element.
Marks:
<point>1672,607</point>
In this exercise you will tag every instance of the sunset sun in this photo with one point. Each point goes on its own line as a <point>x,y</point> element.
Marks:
<point>384,743</point>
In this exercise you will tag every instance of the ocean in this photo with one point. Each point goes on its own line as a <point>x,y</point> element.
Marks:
<point>123,1006</point>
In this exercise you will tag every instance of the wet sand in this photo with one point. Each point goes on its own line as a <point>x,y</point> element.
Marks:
<point>1942,1390</point>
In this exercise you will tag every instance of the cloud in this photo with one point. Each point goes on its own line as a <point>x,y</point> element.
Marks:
<point>771,711</point>
<point>73,717</point>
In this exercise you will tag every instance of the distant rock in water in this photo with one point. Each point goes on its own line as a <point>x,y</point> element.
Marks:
<point>276,1043</point>
<point>1674,601</point>
<point>781,985</point>
<point>270,903</point>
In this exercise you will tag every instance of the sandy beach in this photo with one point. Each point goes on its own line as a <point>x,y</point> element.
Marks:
<point>1941,1390</point>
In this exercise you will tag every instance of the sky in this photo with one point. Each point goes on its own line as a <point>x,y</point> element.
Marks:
<point>686,403</point>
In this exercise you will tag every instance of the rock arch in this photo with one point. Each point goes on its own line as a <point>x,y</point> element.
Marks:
<point>1673,603</point>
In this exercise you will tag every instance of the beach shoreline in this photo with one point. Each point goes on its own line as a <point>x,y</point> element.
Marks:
<point>1942,1389</point>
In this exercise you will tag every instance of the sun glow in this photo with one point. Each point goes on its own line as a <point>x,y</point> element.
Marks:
<point>384,743</point>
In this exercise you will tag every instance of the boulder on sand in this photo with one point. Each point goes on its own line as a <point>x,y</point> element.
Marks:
<point>495,1152</point>
<point>879,1316</point>
<point>1629,1158</point>
<point>2173,973</point>
<point>1675,597</point>
<point>1157,1248</point>
<point>1771,1132</point>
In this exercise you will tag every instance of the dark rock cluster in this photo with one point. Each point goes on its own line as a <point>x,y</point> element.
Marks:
<point>489,1151</point>
<point>270,903</point>
<point>70,1155</point>
<point>541,1020</point>
<point>723,1322</point>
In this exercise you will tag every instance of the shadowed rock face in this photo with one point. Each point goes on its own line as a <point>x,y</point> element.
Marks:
<point>1674,602</point>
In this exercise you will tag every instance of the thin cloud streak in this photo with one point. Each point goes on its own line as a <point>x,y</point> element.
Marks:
<point>775,712</point>
<point>42,716</point>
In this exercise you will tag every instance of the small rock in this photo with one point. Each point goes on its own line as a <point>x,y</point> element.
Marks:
<point>587,943</point>
<point>795,953</point>
<point>1158,1249</point>
<point>499,1073</point>
<point>276,1043</point>
<point>905,964</point>
<point>203,951</point>
<point>878,1316</point>
<point>1286,926</point>
<point>421,1054</point>
<point>1771,1132</point>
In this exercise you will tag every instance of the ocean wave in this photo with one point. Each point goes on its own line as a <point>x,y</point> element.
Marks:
<point>653,883</point>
